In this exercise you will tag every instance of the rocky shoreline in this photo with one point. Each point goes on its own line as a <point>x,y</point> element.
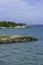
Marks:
<point>16,38</point>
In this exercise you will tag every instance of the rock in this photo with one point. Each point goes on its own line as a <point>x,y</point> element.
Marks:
<point>16,38</point>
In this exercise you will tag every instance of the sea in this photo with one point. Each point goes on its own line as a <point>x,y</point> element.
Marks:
<point>23,53</point>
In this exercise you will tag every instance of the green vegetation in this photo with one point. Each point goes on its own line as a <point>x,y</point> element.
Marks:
<point>4,36</point>
<point>9,24</point>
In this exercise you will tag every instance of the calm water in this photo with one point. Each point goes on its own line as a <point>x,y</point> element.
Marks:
<point>29,53</point>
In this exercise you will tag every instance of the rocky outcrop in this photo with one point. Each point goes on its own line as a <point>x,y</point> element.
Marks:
<point>16,38</point>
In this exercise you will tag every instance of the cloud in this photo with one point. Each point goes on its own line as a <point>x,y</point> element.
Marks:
<point>28,11</point>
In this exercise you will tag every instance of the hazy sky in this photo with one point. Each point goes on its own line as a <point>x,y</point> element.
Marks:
<point>29,11</point>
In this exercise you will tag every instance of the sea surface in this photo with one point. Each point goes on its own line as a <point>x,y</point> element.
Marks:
<point>24,53</point>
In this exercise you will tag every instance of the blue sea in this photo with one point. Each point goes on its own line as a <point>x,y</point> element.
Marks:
<point>24,53</point>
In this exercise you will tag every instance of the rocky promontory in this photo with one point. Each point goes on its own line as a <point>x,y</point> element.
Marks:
<point>16,38</point>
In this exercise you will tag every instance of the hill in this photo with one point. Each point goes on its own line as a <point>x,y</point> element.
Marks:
<point>9,24</point>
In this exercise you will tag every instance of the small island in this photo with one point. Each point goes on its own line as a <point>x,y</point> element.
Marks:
<point>15,38</point>
<point>5,24</point>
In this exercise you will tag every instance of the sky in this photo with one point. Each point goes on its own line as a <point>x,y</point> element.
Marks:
<point>22,11</point>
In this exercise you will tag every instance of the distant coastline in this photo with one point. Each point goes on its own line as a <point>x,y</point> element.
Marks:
<point>5,24</point>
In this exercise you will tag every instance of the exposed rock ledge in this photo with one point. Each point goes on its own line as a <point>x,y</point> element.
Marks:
<point>16,38</point>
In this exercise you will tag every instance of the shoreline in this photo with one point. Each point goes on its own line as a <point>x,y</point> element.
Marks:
<point>13,27</point>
